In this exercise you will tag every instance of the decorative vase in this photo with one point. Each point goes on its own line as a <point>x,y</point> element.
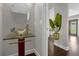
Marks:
<point>56,36</point>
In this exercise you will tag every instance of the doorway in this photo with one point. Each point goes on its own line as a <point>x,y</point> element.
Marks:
<point>73,38</point>
<point>73,27</point>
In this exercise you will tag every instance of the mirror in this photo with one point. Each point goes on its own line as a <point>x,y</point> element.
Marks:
<point>19,16</point>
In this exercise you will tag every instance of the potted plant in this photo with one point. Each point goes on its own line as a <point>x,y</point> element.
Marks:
<point>56,26</point>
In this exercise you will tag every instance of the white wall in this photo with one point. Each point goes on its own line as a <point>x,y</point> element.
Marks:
<point>41,40</point>
<point>51,13</point>
<point>63,9</point>
<point>21,8</point>
<point>74,13</point>
<point>38,28</point>
<point>0,29</point>
<point>75,17</point>
<point>73,9</point>
<point>14,20</point>
<point>63,41</point>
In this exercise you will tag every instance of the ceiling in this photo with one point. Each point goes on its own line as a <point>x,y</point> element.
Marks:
<point>21,7</point>
<point>26,7</point>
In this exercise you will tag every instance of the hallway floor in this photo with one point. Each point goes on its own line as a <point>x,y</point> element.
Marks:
<point>74,46</point>
<point>73,51</point>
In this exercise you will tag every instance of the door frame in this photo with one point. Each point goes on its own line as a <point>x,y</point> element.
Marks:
<point>76,27</point>
<point>45,30</point>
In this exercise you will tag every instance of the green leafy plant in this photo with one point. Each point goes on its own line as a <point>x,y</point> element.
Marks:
<point>56,24</point>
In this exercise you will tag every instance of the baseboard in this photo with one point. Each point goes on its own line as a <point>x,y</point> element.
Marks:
<point>62,47</point>
<point>27,52</point>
